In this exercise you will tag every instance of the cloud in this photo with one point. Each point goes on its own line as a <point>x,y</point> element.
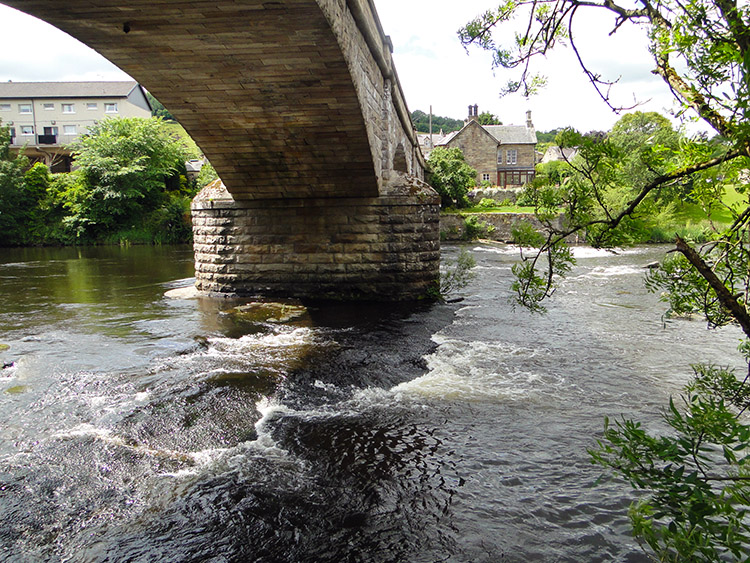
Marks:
<point>433,67</point>
<point>48,53</point>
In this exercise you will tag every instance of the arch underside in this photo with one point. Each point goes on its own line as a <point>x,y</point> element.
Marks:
<point>261,86</point>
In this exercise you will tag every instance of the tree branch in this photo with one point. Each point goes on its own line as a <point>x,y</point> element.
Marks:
<point>727,300</point>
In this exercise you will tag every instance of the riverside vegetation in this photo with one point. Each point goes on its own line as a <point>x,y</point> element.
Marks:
<point>129,185</point>
<point>675,211</point>
<point>693,502</point>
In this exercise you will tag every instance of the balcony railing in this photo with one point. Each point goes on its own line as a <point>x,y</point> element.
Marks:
<point>46,139</point>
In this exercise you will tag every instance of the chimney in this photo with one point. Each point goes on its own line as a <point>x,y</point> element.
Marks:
<point>472,113</point>
<point>529,123</point>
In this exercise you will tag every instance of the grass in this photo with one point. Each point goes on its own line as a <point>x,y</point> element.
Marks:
<point>178,130</point>
<point>688,220</point>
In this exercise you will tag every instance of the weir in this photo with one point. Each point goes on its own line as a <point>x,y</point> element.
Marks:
<point>297,105</point>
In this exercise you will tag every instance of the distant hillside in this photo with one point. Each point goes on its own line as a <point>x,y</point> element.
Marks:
<point>422,123</point>
<point>547,136</point>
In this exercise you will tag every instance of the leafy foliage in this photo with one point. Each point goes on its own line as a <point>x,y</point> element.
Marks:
<point>487,118</point>
<point>696,481</point>
<point>130,185</point>
<point>475,229</point>
<point>17,199</point>
<point>695,478</point>
<point>125,165</point>
<point>454,276</point>
<point>546,136</point>
<point>158,109</point>
<point>206,175</point>
<point>451,176</point>
<point>421,122</point>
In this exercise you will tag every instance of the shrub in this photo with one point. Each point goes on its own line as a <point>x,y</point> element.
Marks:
<point>474,228</point>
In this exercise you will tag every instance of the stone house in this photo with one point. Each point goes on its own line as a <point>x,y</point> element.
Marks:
<point>44,117</point>
<point>504,155</point>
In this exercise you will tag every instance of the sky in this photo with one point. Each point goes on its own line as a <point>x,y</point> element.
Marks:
<point>433,67</point>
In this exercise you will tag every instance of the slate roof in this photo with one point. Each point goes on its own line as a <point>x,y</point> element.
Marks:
<point>447,138</point>
<point>512,134</point>
<point>66,89</point>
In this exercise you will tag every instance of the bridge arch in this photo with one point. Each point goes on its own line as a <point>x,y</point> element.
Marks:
<point>296,104</point>
<point>287,98</point>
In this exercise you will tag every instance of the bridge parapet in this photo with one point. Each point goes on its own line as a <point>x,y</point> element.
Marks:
<point>368,49</point>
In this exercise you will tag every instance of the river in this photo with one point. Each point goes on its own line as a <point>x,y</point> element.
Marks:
<point>135,427</point>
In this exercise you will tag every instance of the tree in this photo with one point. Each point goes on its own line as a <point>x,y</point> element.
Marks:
<point>451,176</point>
<point>546,136</point>
<point>158,109</point>
<point>446,124</point>
<point>16,201</point>
<point>696,480</point>
<point>486,118</point>
<point>127,166</point>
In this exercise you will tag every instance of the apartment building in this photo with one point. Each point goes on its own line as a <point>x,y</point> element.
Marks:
<point>45,117</point>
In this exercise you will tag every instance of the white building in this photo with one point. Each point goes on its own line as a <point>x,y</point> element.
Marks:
<point>44,117</point>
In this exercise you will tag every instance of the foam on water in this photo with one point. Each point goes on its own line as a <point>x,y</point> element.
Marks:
<point>107,436</point>
<point>456,375</point>
<point>590,252</point>
<point>605,272</point>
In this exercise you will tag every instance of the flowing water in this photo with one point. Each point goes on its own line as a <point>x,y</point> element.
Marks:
<point>135,427</point>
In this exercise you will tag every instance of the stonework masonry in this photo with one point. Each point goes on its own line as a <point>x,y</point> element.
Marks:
<point>297,105</point>
<point>381,248</point>
<point>452,226</point>
<point>479,149</point>
<point>286,98</point>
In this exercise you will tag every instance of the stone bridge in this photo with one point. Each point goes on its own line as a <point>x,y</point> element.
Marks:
<point>297,105</point>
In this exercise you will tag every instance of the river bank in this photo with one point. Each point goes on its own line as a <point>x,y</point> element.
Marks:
<point>488,226</point>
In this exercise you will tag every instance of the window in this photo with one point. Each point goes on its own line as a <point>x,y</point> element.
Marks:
<point>4,107</point>
<point>485,177</point>
<point>110,108</point>
<point>49,107</point>
<point>92,105</point>
<point>511,156</point>
<point>27,130</point>
<point>68,108</point>
<point>24,108</point>
<point>69,130</point>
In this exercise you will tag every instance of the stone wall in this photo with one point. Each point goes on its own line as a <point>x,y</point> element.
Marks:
<point>393,142</point>
<point>526,156</point>
<point>452,225</point>
<point>382,248</point>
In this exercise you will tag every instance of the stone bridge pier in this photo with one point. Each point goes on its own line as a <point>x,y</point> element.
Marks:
<point>385,247</point>
<point>370,232</point>
<point>298,107</point>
